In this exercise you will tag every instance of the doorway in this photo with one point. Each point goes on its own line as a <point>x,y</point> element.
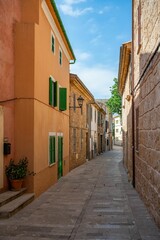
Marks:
<point>60,156</point>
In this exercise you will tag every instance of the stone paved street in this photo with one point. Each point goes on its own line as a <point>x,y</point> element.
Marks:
<point>94,201</point>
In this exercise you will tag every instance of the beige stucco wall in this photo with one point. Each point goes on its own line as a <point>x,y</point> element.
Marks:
<point>127,126</point>
<point>147,98</point>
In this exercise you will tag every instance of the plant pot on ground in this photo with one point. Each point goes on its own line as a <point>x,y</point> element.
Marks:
<point>16,172</point>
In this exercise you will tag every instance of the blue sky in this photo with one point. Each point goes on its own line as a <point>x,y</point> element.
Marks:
<point>96,30</point>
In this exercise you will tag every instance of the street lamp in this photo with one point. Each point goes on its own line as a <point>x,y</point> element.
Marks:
<point>80,100</point>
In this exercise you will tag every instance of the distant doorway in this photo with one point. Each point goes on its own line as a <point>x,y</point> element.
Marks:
<point>87,147</point>
<point>1,147</point>
<point>60,156</point>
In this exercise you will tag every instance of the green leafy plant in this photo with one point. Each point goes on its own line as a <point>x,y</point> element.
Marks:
<point>17,170</point>
<point>115,102</point>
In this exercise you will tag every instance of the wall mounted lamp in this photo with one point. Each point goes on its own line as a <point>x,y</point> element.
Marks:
<point>128,97</point>
<point>80,100</point>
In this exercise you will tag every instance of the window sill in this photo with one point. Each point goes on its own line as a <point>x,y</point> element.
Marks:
<point>51,165</point>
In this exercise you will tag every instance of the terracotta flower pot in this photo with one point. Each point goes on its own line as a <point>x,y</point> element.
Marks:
<point>16,184</point>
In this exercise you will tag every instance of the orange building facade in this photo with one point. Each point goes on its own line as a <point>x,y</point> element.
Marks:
<point>40,85</point>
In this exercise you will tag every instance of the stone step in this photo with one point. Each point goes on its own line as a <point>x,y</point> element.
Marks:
<point>8,196</point>
<point>15,205</point>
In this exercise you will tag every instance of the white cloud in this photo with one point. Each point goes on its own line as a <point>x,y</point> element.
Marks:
<point>82,56</point>
<point>105,9</point>
<point>98,79</point>
<point>68,9</point>
<point>95,40</point>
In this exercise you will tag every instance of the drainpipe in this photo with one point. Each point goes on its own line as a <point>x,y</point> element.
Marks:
<point>133,128</point>
<point>73,62</point>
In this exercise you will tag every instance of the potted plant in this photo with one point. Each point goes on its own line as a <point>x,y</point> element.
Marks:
<point>16,172</point>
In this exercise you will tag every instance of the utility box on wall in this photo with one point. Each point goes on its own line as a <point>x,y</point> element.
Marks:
<point>7,148</point>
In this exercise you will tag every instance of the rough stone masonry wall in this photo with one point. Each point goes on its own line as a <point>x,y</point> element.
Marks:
<point>78,122</point>
<point>147,98</point>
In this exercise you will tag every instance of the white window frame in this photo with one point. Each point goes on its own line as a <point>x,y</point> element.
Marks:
<point>52,134</point>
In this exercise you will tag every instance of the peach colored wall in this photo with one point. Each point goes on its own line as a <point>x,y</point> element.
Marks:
<point>46,118</point>
<point>10,13</point>
<point>35,118</point>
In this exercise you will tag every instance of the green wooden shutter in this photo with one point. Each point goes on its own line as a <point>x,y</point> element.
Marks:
<point>53,149</point>
<point>55,93</point>
<point>50,91</point>
<point>60,156</point>
<point>50,150</point>
<point>52,153</point>
<point>62,99</point>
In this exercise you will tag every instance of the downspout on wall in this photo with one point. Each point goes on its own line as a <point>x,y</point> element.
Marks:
<point>133,128</point>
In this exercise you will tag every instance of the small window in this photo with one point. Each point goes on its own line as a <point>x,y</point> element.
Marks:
<point>52,149</point>
<point>53,43</point>
<point>95,116</point>
<point>117,130</point>
<point>60,57</point>
<point>116,121</point>
<point>53,92</point>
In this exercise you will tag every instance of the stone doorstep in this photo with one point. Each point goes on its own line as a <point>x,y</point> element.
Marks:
<point>8,196</point>
<point>15,205</point>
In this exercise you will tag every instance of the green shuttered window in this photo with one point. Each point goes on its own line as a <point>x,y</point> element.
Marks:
<point>60,57</point>
<point>53,43</point>
<point>62,99</point>
<point>60,156</point>
<point>53,88</point>
<point>52,149</point>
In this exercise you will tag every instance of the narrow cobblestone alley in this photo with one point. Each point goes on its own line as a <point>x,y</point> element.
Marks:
<point>94,201</point>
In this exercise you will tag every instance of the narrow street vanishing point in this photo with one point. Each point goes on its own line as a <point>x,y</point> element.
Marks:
<point>94,201</point>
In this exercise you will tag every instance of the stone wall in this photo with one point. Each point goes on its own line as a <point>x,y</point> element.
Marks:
<point>77,124</point>
<point>146,73</point>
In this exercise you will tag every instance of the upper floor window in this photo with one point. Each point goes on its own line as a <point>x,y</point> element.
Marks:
<point>53,43</point>
<point>60,56</point>
<point>57,95</point>
<point>53,92</point>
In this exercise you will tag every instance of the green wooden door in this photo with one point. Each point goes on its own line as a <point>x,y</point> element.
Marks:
<point>60,156</point>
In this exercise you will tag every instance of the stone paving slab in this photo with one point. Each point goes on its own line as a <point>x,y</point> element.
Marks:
<point>93,202</point>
